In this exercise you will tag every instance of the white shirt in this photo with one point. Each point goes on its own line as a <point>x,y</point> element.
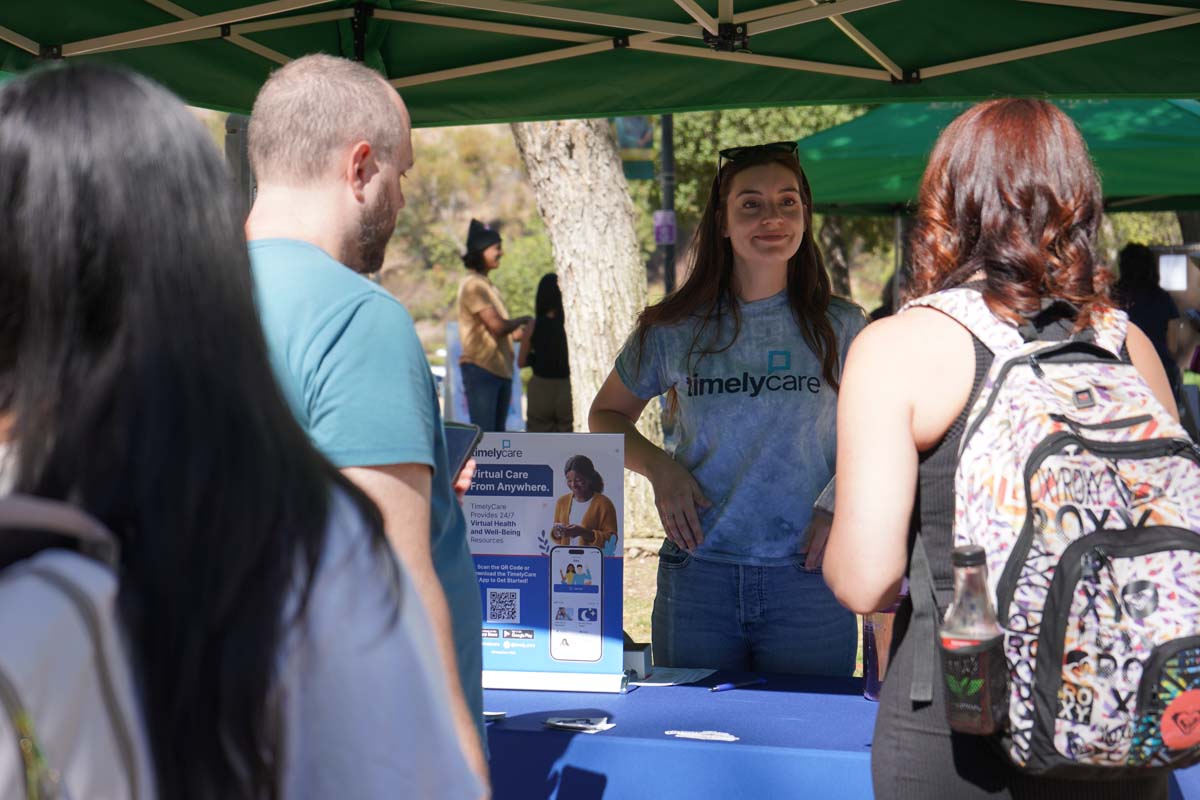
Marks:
<point>578,509</point>
<point>363,689</point>
<point>8,468</point>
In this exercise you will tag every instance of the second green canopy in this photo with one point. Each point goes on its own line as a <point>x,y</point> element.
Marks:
<point>1146,151</point>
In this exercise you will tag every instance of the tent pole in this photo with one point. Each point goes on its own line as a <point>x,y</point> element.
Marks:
<point>765,61</point>
<point>17,40</point>
<point>571,15</point>
<point>668,196</point>
<point>237,153</point>
<point>699,14</point>
<point>185,26</point>
<point>822,11</point>
<point>488,27</point>
<point>233,38</point>
<point>1119,5</point>
<point>724,10</point>
<point>507,63</point>
<point>1057,47</point>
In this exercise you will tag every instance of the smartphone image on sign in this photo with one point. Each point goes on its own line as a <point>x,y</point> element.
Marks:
<point>576,602</point>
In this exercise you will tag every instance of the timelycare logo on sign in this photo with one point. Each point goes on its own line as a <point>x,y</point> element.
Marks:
<point>544,520</point>
<point>777,378</point>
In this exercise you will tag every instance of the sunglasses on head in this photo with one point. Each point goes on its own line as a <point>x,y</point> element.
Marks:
<point>736,154</point>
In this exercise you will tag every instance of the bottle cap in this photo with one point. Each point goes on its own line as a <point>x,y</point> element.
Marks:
<point>969,555</point>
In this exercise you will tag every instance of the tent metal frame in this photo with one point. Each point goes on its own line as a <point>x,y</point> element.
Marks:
<point>637,33</point>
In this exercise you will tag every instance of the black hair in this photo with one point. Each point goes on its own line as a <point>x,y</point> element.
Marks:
<point>474,262</point>
<point>548,298</point>
<point>1138,266</point>
<point>143,393</point>
<point>584,466</point>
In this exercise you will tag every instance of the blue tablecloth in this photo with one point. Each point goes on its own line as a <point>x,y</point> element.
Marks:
<point>796,737</point>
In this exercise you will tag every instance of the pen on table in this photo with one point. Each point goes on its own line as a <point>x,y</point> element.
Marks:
<point>725,687</point>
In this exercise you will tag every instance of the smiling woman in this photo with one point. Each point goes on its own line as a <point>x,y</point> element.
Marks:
<point>749,351</point>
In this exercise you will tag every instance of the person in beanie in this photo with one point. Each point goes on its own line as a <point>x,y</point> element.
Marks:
<point>486,331</point>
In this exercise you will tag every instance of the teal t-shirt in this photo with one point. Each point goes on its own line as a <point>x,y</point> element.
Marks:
<point>348,359</point>
<point>757,422</point>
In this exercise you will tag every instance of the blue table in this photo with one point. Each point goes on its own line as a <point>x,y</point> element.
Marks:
<point>797,738</point>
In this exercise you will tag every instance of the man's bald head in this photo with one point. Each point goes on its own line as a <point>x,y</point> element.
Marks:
<point>311,110</point>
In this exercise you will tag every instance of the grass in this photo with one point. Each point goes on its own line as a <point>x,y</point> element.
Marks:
<point>641,572</point>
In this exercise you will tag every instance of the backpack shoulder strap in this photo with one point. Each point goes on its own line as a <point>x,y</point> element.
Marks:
<point>1111,328</point>
<point>31,524</point>
<point>967,307</point>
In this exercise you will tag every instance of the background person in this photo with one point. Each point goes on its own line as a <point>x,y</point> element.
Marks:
<point>749,349</point>
<point>545,350</point>
<point>329,145</point>
<point>584,515</point>
<point>487,333</point>
<point>909,381</point>
<point>267,617</point>
<point>1149,306</point>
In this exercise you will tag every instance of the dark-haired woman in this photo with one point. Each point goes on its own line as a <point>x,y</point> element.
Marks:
<point>1010,206</point>
<point>750,350</point>
<point>545,350</point>
<point>1148,305</point>
<point>280,649</point>
<point>584,515</point>
<point>486,331</point>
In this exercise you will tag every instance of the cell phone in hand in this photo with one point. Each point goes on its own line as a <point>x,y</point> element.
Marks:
<point>461,440</point>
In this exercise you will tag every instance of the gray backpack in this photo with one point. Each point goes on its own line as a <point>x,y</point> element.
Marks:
<point>70,719</point>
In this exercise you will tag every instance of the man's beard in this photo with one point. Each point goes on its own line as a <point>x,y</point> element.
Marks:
<point>375,229</point>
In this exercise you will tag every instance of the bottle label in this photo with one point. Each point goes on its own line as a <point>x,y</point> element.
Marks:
<point>954,643</point>
<point>975,676</point>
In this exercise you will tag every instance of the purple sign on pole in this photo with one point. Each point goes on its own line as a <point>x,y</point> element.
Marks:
<point>664,227</point>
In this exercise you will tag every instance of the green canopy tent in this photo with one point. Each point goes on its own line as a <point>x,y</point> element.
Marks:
<point>1146,151</point>
<point>469,61</point>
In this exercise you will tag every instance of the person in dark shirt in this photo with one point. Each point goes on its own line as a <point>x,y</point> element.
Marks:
<point>549,398</point>
<point>1148,304</point>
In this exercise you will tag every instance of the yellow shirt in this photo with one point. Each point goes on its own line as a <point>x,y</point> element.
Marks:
<point>479,346</point>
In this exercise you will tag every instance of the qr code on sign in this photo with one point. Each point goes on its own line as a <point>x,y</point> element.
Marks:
<point>503,605</point>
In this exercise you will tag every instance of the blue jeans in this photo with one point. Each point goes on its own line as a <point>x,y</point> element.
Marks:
<point>488,397</point>
<point>749,619</point>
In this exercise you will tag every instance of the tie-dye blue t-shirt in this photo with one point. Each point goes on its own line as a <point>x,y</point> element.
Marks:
<point>756,423</point>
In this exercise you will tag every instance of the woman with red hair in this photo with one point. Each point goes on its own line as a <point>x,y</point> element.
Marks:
<point>1010,205</point>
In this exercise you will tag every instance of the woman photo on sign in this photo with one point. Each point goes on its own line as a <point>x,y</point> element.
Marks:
<point>584,516</point>
<point>1008,215</point>
<point>749,352</point>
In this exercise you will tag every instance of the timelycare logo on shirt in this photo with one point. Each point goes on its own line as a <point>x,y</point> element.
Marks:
<point>778,378</point>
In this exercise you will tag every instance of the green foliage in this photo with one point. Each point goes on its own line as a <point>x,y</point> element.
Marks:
<point>1148,228</point>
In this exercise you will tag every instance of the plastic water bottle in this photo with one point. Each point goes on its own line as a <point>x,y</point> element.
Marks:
<point>972,650</point>
<point>872,683</point>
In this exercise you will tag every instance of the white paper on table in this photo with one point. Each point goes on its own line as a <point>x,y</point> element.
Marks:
<point>579,724</point>
<point>673,676</point>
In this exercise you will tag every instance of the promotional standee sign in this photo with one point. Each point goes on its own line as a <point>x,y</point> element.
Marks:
<point>544,517</point>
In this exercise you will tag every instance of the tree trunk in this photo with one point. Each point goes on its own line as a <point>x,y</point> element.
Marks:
<point>579,185</point>
<point>837,254</point>
<point>1189,226</point>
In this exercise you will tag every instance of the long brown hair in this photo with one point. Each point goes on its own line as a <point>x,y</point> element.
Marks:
<point>709,291</point>
<point>1010,191</point>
